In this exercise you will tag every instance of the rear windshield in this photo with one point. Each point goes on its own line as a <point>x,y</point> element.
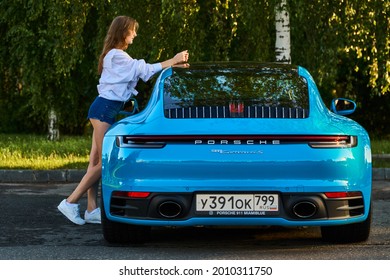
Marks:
<point>235,93</point>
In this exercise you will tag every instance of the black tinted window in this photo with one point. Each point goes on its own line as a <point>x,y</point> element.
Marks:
<point>235,93</point>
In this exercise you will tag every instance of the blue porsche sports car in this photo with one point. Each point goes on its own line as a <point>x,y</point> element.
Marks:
<point>238,144</point>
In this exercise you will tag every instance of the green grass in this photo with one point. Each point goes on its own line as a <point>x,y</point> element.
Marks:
<point>72,152</point>
<point>36,152</point>
<point>381,146</point>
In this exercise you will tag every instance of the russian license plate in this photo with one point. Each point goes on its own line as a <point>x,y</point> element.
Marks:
<point>245,203</point>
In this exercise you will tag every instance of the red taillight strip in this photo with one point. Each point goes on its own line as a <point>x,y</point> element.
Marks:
<point>299,138</point>
<point>315,141</point>
<point>131,194</point>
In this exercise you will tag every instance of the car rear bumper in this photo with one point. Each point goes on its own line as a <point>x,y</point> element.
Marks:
<point>295,209</point>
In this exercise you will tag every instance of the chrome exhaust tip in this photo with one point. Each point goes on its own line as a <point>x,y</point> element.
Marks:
<point>304,209</point>
<point>170,209</point>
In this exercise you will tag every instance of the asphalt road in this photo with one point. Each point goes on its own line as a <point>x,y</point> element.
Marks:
<point>33,229</point>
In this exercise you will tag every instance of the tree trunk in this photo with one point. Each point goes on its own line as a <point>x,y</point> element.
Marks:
<point>282,24</point>
<point>54,132</point>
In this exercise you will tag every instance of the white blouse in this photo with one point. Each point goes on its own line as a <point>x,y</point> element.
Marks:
<point>121,73</point>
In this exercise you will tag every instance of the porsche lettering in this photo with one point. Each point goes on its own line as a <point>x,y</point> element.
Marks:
<point>237,142</point>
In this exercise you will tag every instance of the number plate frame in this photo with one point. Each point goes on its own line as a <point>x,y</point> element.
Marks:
<point>234,204</point>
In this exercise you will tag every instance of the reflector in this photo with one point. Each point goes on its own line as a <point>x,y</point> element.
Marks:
<point>342,194</point>
<point>131,194</point>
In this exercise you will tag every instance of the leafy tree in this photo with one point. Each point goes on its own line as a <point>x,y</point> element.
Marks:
<point>345,45</point>
<point>254,39</point>
<point>49,50</point>
<point>45,45</point>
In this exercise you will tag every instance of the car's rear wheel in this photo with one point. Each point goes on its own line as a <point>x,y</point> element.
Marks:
<point>121,233</point>
<point>350,233</point>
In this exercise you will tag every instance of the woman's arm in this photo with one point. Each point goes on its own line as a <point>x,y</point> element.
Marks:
<point>179,60</point>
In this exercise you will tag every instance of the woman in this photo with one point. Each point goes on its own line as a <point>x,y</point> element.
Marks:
<point>119,76</point>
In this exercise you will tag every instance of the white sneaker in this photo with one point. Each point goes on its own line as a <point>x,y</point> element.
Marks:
<point>71,211</point>
<point>94,217</point>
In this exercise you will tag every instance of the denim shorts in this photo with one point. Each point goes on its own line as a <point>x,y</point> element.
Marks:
<point>105,110</point>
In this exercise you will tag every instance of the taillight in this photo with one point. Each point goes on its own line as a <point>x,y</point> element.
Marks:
<point>129,142</point>
<point>334,142</point>
<point>314,141</point>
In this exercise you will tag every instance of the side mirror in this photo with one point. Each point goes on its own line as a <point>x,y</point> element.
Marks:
<point>130,108</point>
<point>343,106</point>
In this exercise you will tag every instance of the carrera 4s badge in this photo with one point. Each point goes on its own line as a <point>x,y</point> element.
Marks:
<point>227,152</point>
<point>237,142</point>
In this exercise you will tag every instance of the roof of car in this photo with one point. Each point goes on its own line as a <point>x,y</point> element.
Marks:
<point>242,65</point>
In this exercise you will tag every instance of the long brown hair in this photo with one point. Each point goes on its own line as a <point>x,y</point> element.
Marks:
<point>116,35</point>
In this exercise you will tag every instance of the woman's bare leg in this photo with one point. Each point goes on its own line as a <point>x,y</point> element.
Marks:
<point>94,168</point>
<point>93,190</point>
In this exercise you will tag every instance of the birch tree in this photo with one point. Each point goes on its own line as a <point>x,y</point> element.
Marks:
<point>282,25</point>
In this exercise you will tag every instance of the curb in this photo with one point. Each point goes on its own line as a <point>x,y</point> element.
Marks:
<point>75,175</point>
<point>41,176</point>
<point>381,174</point>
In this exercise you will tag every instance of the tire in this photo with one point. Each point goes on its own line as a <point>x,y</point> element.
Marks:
<point>351,233</point>
<point>121,233</point>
